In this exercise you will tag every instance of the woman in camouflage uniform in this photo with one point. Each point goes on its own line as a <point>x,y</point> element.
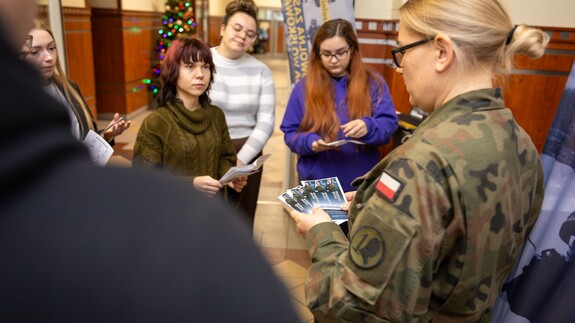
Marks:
<point>438,224</point>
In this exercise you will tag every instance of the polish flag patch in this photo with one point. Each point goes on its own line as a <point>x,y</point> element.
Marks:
<point>388,186</point>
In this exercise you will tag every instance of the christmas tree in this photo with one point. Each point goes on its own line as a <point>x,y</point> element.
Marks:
<point>178,21</point>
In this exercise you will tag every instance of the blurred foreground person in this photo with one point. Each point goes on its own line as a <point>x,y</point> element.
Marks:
<point>439,223</point>
<point>127,245</point>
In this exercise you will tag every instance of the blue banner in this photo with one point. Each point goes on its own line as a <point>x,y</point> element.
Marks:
<point>542,286</point>
<point>302,18</point>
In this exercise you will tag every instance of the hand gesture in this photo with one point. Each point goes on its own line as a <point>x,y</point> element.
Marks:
<point>115,127</point>
<point>354,129</point>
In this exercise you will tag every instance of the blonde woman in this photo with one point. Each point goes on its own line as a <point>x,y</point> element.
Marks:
<point>41,52</point>
<point>437,225</point>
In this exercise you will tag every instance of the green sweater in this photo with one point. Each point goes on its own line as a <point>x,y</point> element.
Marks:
<point>186,143</point>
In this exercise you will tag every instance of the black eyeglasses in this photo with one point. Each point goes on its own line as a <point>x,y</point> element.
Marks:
<point>250,34</point>
<point>339,55</point>
<point>398,52</point>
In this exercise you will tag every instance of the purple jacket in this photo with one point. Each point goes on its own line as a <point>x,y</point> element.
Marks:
<point>351,160</point>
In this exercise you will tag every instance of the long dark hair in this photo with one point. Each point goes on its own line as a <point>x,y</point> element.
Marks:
<point>186,51</point>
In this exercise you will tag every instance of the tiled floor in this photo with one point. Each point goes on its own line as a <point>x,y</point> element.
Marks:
<point>273,231</point>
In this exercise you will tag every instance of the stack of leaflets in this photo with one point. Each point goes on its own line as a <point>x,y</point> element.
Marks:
<point>325,193</point>
<point>240,171</point>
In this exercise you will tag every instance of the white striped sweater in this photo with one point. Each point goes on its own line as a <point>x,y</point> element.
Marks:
<point>244,89</point>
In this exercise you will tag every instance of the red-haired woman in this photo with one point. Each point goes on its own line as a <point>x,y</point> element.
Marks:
<point>187,135</point>
<point>340,98</point>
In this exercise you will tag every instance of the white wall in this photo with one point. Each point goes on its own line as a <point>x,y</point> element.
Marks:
<point>218,7</point>
<point>144,5</point>
<point>548,13</point>
<point>270,3</point>
<point>377,9</point>
<point>103,4</point>
<point>67,3</point>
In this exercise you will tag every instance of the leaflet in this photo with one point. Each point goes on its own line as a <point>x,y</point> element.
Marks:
<point>100,149</point>
<point>240,171</point>
<point>342,142</point>
<point>325,193</point>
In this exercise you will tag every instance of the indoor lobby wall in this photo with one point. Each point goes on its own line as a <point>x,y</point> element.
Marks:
<point>124,34</point>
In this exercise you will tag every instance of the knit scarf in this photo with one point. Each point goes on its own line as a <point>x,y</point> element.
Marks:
<point>195,122</point>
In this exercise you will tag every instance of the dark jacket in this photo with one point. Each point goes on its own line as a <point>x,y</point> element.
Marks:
<point>80,242</point>
<point>77,109</point>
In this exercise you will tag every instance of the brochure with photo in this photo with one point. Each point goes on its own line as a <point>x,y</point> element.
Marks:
<point>325,193</point>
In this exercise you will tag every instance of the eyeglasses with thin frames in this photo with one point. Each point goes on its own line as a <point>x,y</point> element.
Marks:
<point>250,34</point>
<point>339,55</point>
<point>398,52</point>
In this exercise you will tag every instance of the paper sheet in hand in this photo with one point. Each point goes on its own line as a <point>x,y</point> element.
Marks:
<point>100,149</point>
<point>239,171</point>
<point>342,142</point>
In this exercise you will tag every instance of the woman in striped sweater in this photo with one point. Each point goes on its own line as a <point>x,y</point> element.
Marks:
<point>243,88</point>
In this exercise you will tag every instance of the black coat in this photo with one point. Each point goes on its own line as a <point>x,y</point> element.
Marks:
<point>85,243</point>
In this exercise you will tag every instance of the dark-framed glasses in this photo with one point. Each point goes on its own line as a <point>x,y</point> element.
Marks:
<point>398,52</point>
<point>339,54</point>
<point>250,34</point>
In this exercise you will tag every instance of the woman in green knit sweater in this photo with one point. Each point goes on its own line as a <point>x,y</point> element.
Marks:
<point>186,135</point>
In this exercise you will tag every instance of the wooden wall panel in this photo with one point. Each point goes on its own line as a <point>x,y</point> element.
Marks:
<point>108,60</point>
<point>376,40</point>
<point>532,90</point>
<point>79,54</point>
<point>215,26</point>
<point>280,44</point>
<point>123,49</point>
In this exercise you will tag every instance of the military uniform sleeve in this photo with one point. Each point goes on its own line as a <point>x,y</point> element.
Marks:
<point>384,272</point>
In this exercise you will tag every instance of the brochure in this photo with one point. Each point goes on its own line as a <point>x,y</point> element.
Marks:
<point>239,171</point>
<point>325,193</point>
<point>342,142</point>
<point>100,149</point>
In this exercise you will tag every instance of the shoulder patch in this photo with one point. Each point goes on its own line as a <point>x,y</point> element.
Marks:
<point>388,186</point>
<point>367,248</point>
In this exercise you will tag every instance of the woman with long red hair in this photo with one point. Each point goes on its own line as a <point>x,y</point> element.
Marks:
<point>340,98</point>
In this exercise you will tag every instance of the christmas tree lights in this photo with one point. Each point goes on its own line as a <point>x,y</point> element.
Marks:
<point>178,21</point>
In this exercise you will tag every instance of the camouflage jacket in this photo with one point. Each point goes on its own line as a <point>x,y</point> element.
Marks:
<point>436,226</point>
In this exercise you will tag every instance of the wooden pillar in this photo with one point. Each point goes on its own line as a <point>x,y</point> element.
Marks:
<point>123,49</point>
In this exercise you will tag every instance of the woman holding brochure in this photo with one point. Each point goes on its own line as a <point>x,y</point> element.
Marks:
<point>437,226</point>
<point>340,113</point>
<point>187,135</point>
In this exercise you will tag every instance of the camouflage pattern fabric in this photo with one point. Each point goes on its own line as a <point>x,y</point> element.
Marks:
<point>436,226</point>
